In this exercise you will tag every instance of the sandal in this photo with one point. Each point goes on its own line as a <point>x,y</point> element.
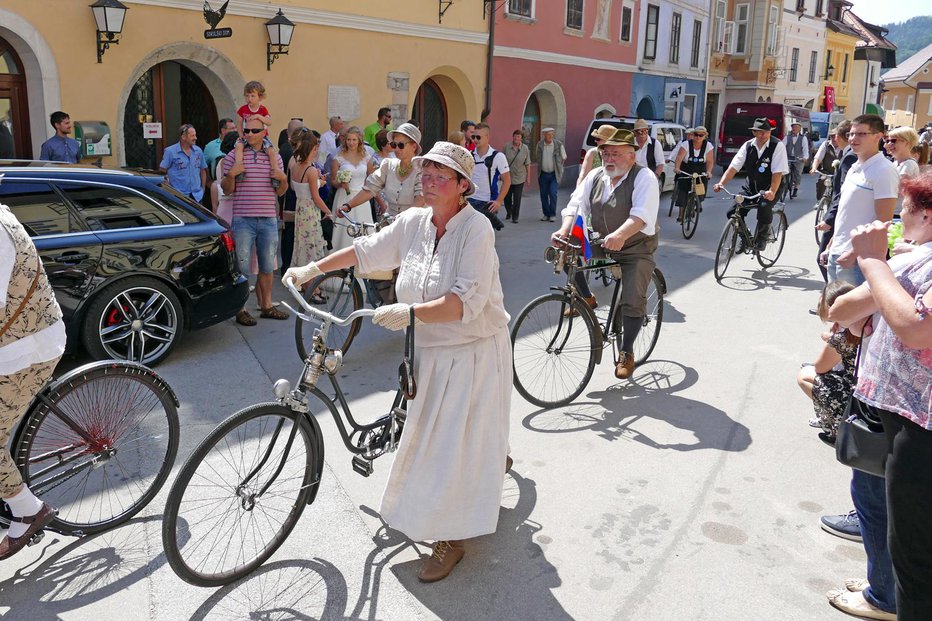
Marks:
<point>243,318</point>
<point>273,313</point>
<point>318,299</point>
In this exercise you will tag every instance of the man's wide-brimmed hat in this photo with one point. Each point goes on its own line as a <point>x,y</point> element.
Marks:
<point>409,130</point>
<point>621,137</point>
<point>761,124</point>
<point>604,132</point>
<point>641,124</point>
<point>452,156</point>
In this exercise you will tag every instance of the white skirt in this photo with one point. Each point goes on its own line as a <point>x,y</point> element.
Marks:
<point>446,480</point>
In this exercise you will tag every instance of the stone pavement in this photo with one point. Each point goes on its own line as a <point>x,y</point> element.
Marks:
<point>691,492</point>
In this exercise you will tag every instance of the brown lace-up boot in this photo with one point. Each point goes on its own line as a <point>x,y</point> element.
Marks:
<point>438,565</point>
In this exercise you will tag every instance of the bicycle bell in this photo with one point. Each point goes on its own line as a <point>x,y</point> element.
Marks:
<point>550,254</point>
<point>739,199</point>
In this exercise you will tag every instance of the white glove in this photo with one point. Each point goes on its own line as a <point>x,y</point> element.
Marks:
<point>301,275</point>
<point>393,316</point>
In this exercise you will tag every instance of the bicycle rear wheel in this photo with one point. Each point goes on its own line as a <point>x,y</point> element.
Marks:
<point>776,237</point>
<point>342,295</point>
<point>554,356</point>
<point>220,523</point>
<point>726,248</point>
<point>129,413</point>
<point>650,329</point>
<point>690,217</point>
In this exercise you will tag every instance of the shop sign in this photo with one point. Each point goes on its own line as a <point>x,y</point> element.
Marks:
<point>151,130</point>
<point>213,18</point>
<point>829,98</point>
<point>674,91</point>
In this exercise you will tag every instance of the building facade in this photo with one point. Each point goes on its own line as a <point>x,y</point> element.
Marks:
<point>167,69</point>
<point>744,59</point>
<point>799,53</point>
<point>560,64</point>
<point>840,43</point>
<point>907,96</point>
<point>672,59</point>
<point>873,53</point>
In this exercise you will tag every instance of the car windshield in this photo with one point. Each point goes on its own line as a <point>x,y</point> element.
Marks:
<point>821,128</point>
<point>739,125</point>
<point>618,124</point>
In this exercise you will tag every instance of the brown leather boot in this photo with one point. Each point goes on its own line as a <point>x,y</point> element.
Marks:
<point>625,367</point>
<point>444,558</point>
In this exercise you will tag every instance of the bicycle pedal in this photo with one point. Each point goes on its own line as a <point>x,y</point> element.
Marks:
<point>362,466</point>
<point>36,538</point>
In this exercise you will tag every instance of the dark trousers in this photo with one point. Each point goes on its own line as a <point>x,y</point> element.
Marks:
<point>513,201</point>
<point>548,193</point>
<point>869,497</point>
<point>287,245</point>
<point>764,217</point>
<point>909,507</point>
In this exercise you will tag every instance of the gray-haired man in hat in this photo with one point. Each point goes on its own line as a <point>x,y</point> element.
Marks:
<point>622,198</point>
<point>797,151</point>
<point>763,159</point>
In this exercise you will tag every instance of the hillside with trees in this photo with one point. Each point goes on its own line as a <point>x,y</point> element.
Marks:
<point>910,36</point>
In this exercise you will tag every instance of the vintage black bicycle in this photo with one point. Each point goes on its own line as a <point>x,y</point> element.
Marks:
<point>690,214</point>
<point>557,339</point>
<point>738,239</point>
<point>241,492</point>
<point>97,443</point>
<point>342,293</point>
<point>822,205</point>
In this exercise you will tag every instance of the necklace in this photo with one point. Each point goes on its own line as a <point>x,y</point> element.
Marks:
<point>403,170</point>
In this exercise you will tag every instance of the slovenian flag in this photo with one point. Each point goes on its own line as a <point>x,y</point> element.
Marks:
<point>581,233</point>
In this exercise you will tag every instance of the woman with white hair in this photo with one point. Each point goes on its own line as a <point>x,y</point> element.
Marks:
<point>446,481</point>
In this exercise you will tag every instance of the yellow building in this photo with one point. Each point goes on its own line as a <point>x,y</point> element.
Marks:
<point>907,96</point>
<point>840,42</point>
<point>347,58</point>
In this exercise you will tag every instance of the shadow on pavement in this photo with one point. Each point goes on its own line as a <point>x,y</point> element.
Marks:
<point>776,278</point>
<point>292,589</point>
<point>85,571</point>
<point>615,413</point>
<point>504,575</point>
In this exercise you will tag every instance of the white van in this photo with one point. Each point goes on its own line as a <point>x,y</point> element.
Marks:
<point>824,125</point>
<point>669,135</point>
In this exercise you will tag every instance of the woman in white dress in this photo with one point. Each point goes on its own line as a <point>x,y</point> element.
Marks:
<point>446,481</point>
<point>351,157</point>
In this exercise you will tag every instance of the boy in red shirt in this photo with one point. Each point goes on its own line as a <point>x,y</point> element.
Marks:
<point>254,93</point>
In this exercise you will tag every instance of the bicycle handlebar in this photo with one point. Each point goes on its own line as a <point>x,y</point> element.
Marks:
<point>740,198</point>
<point>323,315</point>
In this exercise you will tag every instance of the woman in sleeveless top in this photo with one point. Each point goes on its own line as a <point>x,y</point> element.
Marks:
<point>309,243</point>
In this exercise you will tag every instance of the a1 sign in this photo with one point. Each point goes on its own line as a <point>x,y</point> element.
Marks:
<point>674,91</point>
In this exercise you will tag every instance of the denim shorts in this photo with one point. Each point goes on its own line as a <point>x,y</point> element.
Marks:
<point>260,234</point>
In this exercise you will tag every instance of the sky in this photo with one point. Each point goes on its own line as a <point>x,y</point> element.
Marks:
<point>890,11</point>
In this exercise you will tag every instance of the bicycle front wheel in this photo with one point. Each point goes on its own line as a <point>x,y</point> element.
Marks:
<point>726,248</point>
<point>650,328</point>
<point>239,495</point>
<point>105,474</point>
<point>554,354</point>
<point>776,237</point>
<point>690,217</point>
<point>342,295</point>
<point>819,215</point>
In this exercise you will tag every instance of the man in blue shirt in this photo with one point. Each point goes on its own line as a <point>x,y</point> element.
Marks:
<point>185,164</point>
<point>61,148</point>
<point>212,151</point>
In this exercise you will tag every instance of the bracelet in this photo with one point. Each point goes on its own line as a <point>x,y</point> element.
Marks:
<point>921,309</point>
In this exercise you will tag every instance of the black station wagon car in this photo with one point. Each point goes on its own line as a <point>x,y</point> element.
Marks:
<point>133,263</point>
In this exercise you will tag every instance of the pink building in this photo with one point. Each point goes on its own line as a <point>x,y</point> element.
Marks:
<point>561,67</point>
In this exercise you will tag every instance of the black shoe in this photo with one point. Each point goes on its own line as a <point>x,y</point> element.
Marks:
<point>514,221</point>
<point>760,244</point>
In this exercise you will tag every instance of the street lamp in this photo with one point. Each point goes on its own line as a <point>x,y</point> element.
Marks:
<point>280,30</point>
<point>829,71</point>
<point>109,15</point>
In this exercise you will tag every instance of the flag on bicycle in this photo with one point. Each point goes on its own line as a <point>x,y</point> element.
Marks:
<point>581,232</point>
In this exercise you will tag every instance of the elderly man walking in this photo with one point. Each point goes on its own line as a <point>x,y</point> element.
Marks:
<point>185,164</point>
<point>255,214</point>
<point>550,158</point>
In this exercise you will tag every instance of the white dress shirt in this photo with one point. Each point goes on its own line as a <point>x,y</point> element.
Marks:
<point>641,157</point>
<point>779,163</point>
<point>645,200</point>
<point>328,145</point>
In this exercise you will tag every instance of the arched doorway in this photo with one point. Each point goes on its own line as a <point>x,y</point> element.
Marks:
<point>169,93</point>
<point>15,139</point>
<point>530,122</point>
<point>430,114</point>
<point>645,109</point>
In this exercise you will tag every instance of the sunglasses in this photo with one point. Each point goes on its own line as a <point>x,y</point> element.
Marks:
<point>891,140</point>
<point>399,145</point>
<point>254,130</point>
<point>476,137</point>
<point>699,135</point>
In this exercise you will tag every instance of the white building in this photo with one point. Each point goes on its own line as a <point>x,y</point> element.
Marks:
<point>800,49</point>
<point>673,52</point>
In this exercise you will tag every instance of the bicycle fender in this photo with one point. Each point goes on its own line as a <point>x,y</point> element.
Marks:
<point>318,439</point>
<point>600,336</point>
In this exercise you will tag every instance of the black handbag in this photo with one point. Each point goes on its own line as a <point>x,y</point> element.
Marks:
<point>861,443</point>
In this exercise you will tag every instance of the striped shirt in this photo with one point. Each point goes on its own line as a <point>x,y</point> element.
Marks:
<point>254,196</point>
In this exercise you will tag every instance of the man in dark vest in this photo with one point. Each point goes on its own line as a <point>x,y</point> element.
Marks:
<point>32,339</point>
<point>797,152</point>
<point>622,199</point>
<point>763,160</point>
